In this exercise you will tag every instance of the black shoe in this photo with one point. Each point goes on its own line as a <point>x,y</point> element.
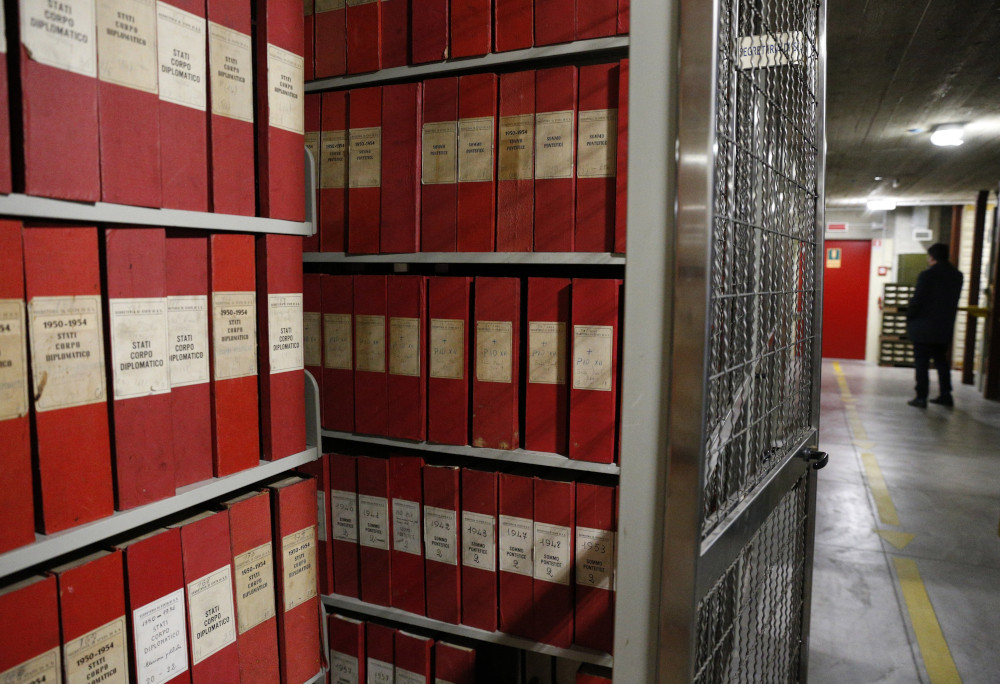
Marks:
<point>944,401</point>
<point>918,402</point>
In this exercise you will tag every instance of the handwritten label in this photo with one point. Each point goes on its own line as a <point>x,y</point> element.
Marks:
<point>494,352</point>
<point>254,586</point>
<point>479,541</point>
<point>345,515</point>
<point>160,639</point>
<point>312,338</point>
<point>554,144</point>
<point>67,351</point>
<point>374,521</point>
<point>404,346</point>
<point>380,672</point>
<point>343,668</point>
<point>595,557</point>
<point>447,348</point>
<point>441,535</point>
<point>337,346</point>
<point>369,342</point>
<point>553,553</point>
<point>516,545</point>
<point>406,526</point>
<point>299,549</point>
<point>592,357</point>
<point>547,352</point>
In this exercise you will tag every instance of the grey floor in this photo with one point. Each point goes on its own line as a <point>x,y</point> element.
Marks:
<point>941,469</point>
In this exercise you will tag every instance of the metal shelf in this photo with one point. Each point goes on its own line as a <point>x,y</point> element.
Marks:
<point>583,655</point>
<point>520,258</point>
<point>537,458</point>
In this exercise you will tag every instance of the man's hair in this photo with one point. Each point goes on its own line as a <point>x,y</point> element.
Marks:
<point>938,252</point>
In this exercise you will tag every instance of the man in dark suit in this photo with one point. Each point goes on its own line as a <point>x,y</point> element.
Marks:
<point>930,322</point>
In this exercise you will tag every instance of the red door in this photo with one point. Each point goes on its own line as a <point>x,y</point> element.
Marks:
<point>845,298</point>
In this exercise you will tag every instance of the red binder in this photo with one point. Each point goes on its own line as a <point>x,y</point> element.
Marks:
<point>280,132</point>
<point>442,542</point>
<point>555,21</point>
<point>495,380</point>
<point>312,327</point>
<point>552,588</point>
<point>313,126</point>
<point>154,577</point>
<point>142,440</point>
<point>333,173</point>
<point>471,28</point>
<point>439,165</point>
<point>62,282</point>
<point>546,400</point>
<point>593,398</point>
<point>621,166</point>
<point>331,31</point>
<point>338,352</point>
<point>30,609</point>
<point>189,354</point>
<point>370,355</point>
<point>374,530</point>
<point>279,316</point>
<point>364,36</point>
<point>448,305</point>
<point>309,47</point>
<point>513,24</point>
<point>344,529</point>
<point>596,524</point>
<point>515,550</point>
<point>596,159</point>
<point>395,33</point>
<point>407,380</point>
<point>454,664</point>
<point>400,211</point>
<point>17,504</point>
<point>429,31</point>
<point>479,549</point>
<point>413,658</point>
<point>624,12</point>
<point>365,169</point>
<point>347,649</point>
<point>231,125</point>
<point>253,577</point>
<point>406,498</point>
<point>320,469</point>
<point>181,45</point>
<point>596,19</point>
<point>233,325</point>
<point>379,646</point>
<point>477,130</point>
<point>555,146</point>
<point>516,162</point>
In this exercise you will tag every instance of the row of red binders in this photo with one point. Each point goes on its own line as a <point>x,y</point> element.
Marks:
<point>458,360</point>
<point>524,161</point>
<point>226,595</point>
<point>356,36</point>
<point>505,551</point>
<point>184,104</point>
<point>137,354</point>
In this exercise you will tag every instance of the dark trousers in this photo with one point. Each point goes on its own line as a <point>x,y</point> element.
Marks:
<point>923,354</point>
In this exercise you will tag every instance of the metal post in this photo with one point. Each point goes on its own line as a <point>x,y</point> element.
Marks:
<point>974,275</point>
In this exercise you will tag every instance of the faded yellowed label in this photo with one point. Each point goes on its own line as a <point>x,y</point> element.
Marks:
<point>299,549</point>
<point>404,346</point>
<point>592,357</point>
<point>447,348</point>
<point>439,144</point>
<point>312,338</point>
<point>337,344</point>
<point>365,169</point>
<point>333,159</point>
<point>597,144</point>
<point>230,66</point>
<point>369,343</point>
<point>475,150</point>
<point>554,145</point>
<point>517,147</point>
<point>494,351</point>
<point>99,655</point>
<point>312,144</point>
<point>547,352</point>
<point>330,5</point>
<point>285,90</point>
<point>13,360</point>
<point>45,667</point>
<point>126,43</point>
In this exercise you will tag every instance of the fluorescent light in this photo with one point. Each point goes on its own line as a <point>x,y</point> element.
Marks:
<point>948,135</point>
<point>881,205</point>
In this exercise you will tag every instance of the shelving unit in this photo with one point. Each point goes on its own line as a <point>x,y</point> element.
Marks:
<point>506,258</point>
<point>895,348</point>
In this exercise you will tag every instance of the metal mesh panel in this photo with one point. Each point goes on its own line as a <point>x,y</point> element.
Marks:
<point>763,280</point>
<point>749,624</point>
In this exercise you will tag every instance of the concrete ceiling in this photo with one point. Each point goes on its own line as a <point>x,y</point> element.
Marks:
<point>897,69</point>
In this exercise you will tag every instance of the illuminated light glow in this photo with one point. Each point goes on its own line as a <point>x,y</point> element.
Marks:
<point>948,135</point>
<point>881,205</point>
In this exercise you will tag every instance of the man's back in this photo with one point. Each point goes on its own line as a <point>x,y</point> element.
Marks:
<point>931,314</point>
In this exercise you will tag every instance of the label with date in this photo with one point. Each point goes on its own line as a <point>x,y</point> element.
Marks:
<point>234,334</point>
<point>441,535</point>
<point>380,672</point>
<point>373,514</point>
<point>42,668</point>
<point>254,586</point>
<point>516,545</point>
<point>595,558</point>
<point>101,653</point>
<point>345,515</point>
<point>13,360</point>
<point>479,541</point>
<point>343,668</point>
<point>160,639</point>
<point>406,526</point>
<point>553,553</point>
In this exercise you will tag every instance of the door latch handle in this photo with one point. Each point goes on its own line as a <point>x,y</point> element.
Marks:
<point>818,459</point>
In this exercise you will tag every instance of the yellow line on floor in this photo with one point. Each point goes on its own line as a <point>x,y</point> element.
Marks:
<point>880,492</point>
<point>933,647</point>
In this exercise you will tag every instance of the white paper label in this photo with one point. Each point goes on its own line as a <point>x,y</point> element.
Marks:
<point>234,334</point>
<point>494,351</point>
<point>284,332</point>
<point>285,90</point>
<point>517,147</point>
<point>516,545</point>
<point>380,672</point>
<point>13,360</point>
<point>364,169</point>
<point>139,363</point>
<point>333,159</point>
<point>67,351</point>
<point>210,613</point>
<point>597,144</point>
<point>479,541</point>
<point>63,36</point>
<point>547,352</point>
<point>592,357</point>
<point>404,346</point>
<point>370,343</point>
<point>230,64</point>
<point>46,667</point>
<point>343,668</point>
<point>554,144</point>
<point>312,338</point>
<point>126,43</point>
<point>374,521</point>
<point>181,48</point>
<point>406,526</point>
<point>322,533</point>
<point>99,655</point>
<point>447,348</point>
<point>254,586</point>
<point>407,677</point>
<point>337,349</point>
<point>441,535</point>
<point>595,558</point>
<point>553,555</point>
<point>299,550</point>
<point>160,640</point>
<point>3,30</point>
<point>475,150</point>
<point>345,516</point>
<point>438,147</point>
<point>757,52</point>
<point>187,325</point>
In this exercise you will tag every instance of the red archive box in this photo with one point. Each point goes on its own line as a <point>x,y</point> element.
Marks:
<point>429,31</point>
<point>379,651</point>
<point>142,436</point>
<point>495,382</point>
<point>312,326</point>
<point>621,166</point>
<point>439,166</point>
<point>309,44</point>
<point>552,588</point>
<point>333,173</point>
<point>280,109</point>
<point>364,170</point>
<point>370,352</point>
<point>515,549</point>
<point>235,443</point>
<point>596,19</point>
<point>471,28</point>
<point>516,162</point>
<point>231,124</point>
<point>593,400</point>
<point>555,21</point>
<point>338,356</point>
<point>320,469</point>
<point>406,498</point>
<point>395,33</point>
<point>331,31</point>
<point>364,36</point>
<point>344,523</point>
<point>477,110</point>
<point>62,285</point>
<point>207,558</point>
<point>513,24</point>
<point>596,526</point>
<point>154,577</point>
<point>57,78</point>
<point>17,505</point>
<point>181,47</point>
<point>400,212</point>
<point>442,540</point>
<point>294,503</point>
<point>596,158</point>
<point>407,379</point>
<point>448,304</point>
<point>546,395</point>
<point>279,317</point>
<point>479,549</point>
<point>6,177</point>
<point>30,609</point>
<point>313,126</point>
<point>347,649</point>
<point>555,145</point>
<point>188,355</point>
<point>413,658</point>
<point>374,530</point>
<point>454,664</point>
<point>624,12</point>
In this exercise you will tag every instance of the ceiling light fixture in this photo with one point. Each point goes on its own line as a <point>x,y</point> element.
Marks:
<point>948,135</point>
<point>881,205</point>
